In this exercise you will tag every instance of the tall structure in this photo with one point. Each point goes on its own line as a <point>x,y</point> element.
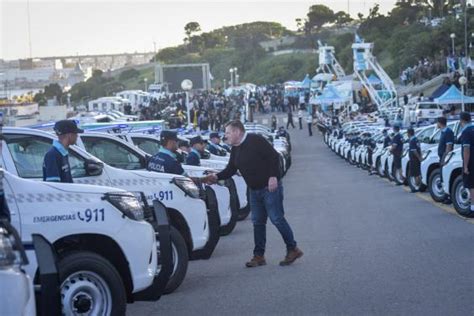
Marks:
<point>372,76</point>
<point>328,62</point>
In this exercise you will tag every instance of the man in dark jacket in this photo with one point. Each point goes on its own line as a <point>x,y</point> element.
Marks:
<point>197,147</point>
<point>258,162</point>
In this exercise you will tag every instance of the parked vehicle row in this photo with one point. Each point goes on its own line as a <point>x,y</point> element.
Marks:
<point>444,183</point>
<point>120,233</point>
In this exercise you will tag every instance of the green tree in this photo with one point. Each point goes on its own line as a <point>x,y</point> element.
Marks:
<point>342,18</point>
<point>53,90</point>
<point>319,15</point>
<point>191,28</point>
<point>129,74</point>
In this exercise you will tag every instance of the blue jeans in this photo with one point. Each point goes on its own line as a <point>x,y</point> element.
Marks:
<point>264,204</point>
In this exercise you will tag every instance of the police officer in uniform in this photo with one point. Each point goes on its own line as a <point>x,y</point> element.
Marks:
<point>166,160</point>
<point>386,140</point>
<point>397,149</point>
<point>56,161</point>
<point>197,147</point>
<point>445,146</point>
<point>213,146</point>
<point>415,156</point>
<point>467,142</point>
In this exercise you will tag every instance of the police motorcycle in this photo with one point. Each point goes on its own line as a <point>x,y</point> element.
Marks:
<point>150,144</point>
<point>99,267</point>
<point>23,151</point>
<point>114,150</point>
<point>453,183</point>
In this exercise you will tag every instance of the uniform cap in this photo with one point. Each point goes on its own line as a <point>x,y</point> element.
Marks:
<point>168,135</point>
<point>196,140</point>
<point>214,135</point>
<point>67,126</point>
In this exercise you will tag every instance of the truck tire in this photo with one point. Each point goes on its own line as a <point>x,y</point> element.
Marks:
<point>214,223</point>
<point>380,169</point>
<point>234,207</point>
<point>435,186</point>
<point>412,184</point>
<point>90,285</point>
<point>245,211</point>
<point>179,251</point>
<point>460,198</point>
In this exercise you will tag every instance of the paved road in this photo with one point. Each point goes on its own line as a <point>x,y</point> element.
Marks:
<point>370,248</point>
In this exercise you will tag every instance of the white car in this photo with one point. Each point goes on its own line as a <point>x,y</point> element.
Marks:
<point>23,151</point>
<point>426,111</point>
<point>100,267</point>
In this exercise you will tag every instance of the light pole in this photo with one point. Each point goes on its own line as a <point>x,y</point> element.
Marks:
<point>146,80</point>
<point>187,85</point>
<point>231,82</point>
<point>237,80</point>
<point>452,36</point>
<point>462,82</point>
<point>235,75</point>
<point>225,83</point>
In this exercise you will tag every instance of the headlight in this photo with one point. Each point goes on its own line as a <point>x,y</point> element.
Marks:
<point>448,157</point>
<point>425,155</point>
<point>7,255</point>
<point>128,204</point>
<point>187,186</point>
<point>12,252</point>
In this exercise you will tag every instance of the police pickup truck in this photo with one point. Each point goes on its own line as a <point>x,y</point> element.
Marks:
<point>150,144</point>
<point>100,267</point>
<point>118,153</point>
<point>23,151</point>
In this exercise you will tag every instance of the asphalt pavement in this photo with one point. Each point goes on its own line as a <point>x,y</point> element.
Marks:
<point>371,248</point>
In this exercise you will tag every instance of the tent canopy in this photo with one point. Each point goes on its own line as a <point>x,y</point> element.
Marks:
<point>323,77</point>
<point>453,96</point>
<point>330,95</point>
<point>306,83</point>
<point>373,79</point>
<point>440,91</point>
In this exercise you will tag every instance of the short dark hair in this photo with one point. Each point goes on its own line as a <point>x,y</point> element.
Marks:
<point>442,120</point>
<point>465,116</point>
<point>396,128</point>
<point>236,124</point>
<point>410,131</point>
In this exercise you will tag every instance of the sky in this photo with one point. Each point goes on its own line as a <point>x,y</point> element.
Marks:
<point>69,27</point>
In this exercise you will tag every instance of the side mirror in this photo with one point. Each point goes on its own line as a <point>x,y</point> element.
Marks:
<point>94,168</point>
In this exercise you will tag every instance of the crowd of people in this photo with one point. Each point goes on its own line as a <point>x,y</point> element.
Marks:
<point>426,69</point>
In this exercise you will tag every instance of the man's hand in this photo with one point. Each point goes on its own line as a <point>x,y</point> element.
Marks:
<point>272,184</point>
<point>466,170</point>
<point>210,179</point>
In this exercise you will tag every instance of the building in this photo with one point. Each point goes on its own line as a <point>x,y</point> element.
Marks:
<point>276,44</point>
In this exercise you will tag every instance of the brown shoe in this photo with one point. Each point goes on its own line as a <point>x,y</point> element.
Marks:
<point>256,261</point>
<point>291,256</point>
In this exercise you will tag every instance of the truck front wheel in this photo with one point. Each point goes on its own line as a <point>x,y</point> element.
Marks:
<point>90,285</point>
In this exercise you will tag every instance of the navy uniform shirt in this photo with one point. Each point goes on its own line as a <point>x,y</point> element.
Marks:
<point>467,141</point>
<point>213,149</point>
<point>414,147</point>
<point>165,161</point>
<point>398,142</point>
<point>56,164</point>
<point>194,158</point>
<point>386,141</point>
<point>446,138</point>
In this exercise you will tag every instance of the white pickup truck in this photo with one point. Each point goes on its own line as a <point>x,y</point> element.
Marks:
<point>23,152</point>
<point>425,111</point>
<point>100,267</point>
<point>119,153</point>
